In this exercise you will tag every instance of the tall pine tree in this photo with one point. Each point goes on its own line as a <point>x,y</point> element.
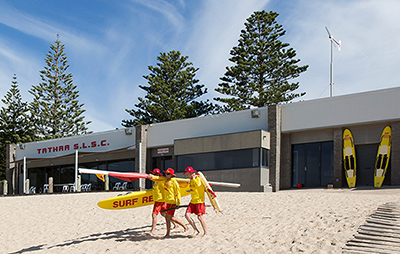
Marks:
<point>15,126</point>
<point>55,108</point>
<point>262,66</point>
<point>171,93</point>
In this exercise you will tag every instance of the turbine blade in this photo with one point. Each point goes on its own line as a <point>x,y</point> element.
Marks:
<point>330,36</point>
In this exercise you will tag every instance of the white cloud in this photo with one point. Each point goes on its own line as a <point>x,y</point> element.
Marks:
<point>165,8</point>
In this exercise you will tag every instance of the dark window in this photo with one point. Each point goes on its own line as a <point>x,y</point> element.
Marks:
<point>246,158</point>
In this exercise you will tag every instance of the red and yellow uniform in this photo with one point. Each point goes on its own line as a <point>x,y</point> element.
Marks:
<point>196,205</point>
<point>158,197</point>
<point>172,194</point>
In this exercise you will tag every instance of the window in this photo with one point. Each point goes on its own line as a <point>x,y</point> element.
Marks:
<point>246,158</point>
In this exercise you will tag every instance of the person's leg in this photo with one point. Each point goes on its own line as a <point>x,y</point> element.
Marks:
<point>168,218</point>
<point>191,222</point>
<point>179,222</point>
<point>154,223</point>
<point>203,224</point>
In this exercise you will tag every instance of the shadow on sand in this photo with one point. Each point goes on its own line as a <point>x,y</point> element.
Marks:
<point>131,234</point>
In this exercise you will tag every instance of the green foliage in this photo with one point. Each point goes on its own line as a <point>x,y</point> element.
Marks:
<point>55,108</point>
<point>262,66</point>
<point>171,93</point>
<point>15,126</point>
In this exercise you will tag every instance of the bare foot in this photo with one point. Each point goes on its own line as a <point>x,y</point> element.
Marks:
<point>166,236</point>
<point>185,229</point>
<point>175,226</point>
<point>205,235</point>
<point>196,233</point>
<point>151,233</point>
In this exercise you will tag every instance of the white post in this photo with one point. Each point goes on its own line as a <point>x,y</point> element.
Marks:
<point>76,170</point>
<point>27,186</point>
<point>141,181</point>
<point>5,187</point>
<point>24,185</point>
<point>331,71</point>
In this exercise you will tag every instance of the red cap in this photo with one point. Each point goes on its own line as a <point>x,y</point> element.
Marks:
<point>189,170</point>
<point>170,171</point>
<point>156,171</point>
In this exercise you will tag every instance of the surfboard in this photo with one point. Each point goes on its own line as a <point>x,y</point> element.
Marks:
<point>383,156</point>
<point>210,193</point>
<point>133,176</point>
<point>349,158</point>
<point>136,199</point>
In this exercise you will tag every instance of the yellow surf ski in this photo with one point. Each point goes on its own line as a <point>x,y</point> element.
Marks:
<point>210,193</point>
<point>349,158</point>
<point>136,199</point>
<point>383,157</point>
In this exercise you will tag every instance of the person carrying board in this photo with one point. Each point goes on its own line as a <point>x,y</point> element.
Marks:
<point>158,197</point>
<point>197,205</point>
<point>172,196</point>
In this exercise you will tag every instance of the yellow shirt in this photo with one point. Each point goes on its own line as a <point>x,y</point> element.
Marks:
<point>158,192</point>
<point>196,191</point>
<point>172,192</point>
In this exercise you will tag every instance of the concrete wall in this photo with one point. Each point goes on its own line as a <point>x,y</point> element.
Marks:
<point>286,162</point>
<point>274,127</point>
<point>338,111</point>
<point>226,142</point>
<point>338,176</point>
<point>395,157</point>
<point>164,134</point>
<point>11,169</point>
<point>141,153</point>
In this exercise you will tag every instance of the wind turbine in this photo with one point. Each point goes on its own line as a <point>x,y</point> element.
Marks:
<point>339,44</point>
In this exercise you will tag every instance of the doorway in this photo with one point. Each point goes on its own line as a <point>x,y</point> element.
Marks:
<point>312,164</point>
<point>162,163</point>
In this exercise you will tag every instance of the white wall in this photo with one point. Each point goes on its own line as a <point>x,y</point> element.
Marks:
<point>96,142</point>
<point>361,108</point>
<point>164,134</point>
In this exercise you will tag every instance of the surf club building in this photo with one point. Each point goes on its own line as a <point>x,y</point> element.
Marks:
<point>271,148</point>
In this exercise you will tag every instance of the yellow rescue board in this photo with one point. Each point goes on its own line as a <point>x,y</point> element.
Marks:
<point>210,193</point>
<point>383,157</point>
<point>349,158</point>
<point>138,198</point>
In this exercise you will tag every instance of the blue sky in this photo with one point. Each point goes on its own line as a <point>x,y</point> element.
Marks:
<point>110,44</point>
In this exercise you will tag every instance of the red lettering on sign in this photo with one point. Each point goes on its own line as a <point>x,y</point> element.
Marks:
<point>76,146</point>
<point>144,200</point>
<point>115,204</point>
<point>121,204</point>
<point>128,202</point>
<point>151,198</point>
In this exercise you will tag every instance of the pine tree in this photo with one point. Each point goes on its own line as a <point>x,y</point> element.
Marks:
<point>262,66</point>
<point>15,126</point>
<point>171,93</point>
<point>55,108</point>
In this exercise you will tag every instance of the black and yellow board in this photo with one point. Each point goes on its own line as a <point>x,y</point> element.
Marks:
<point>383,157</point>
<point>349,158</point>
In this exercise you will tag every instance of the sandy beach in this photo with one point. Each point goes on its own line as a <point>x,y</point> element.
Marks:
<point>289,221</point>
